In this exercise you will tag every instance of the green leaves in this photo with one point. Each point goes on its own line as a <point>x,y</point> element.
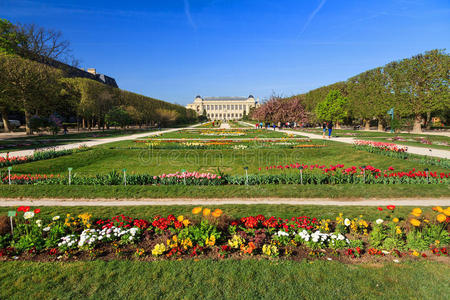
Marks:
<point>333,108</point>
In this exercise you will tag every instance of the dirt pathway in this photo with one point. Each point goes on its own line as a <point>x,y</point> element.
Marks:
<point>221,201</point>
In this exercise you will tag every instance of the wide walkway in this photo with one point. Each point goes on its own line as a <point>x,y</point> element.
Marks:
<point>94,142</point>
<point>222,201</point>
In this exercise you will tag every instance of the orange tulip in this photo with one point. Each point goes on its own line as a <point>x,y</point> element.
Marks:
<point>196,210</point>
<point>217,213</point>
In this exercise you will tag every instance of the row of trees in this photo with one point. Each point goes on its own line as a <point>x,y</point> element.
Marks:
<point>35,88</point>
<point>417,88</point>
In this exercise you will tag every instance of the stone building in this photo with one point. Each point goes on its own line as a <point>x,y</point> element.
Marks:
<point>223,108</point>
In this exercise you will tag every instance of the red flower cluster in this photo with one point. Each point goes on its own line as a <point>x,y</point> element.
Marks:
<point>28,178</point>
<point>440,251</point>
<point>123,221</point>
<point>164,223</point>
<point>354,253</point>
<point>261,221</point>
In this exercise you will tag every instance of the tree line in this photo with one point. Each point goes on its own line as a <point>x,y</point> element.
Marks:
<point>417,88</point>
<point>42,92</point>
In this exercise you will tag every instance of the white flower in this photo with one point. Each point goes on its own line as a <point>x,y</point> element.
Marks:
<point>55,218</point>
<point>39,223</point>
<point>379,221</point>
<point>396,261</point>
<point>28,215</point>
<point>46,228</point>
<point>347,222</point>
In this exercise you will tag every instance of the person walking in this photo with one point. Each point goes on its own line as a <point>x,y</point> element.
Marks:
<point>324,129</point>
<point>274,126</point>
<point>330,129</point>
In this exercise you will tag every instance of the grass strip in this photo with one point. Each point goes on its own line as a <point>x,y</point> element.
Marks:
<point>229,279</point>
<point>227,191</point>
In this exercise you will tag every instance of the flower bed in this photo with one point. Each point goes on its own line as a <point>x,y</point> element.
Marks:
<point>311,174</point>
<point>210,233</point>
<point>37,155</point>
<point>254,143</point>
<point>397,151</point>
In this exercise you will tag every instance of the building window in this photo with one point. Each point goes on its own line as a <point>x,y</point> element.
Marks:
<point>228,107</point>
<point>240,106</point>
<point>207,107</point>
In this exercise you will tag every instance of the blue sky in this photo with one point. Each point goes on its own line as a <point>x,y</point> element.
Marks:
<point>174,50</point>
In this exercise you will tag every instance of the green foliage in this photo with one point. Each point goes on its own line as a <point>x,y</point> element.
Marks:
<point>333,108</point>
<point>118,117</point>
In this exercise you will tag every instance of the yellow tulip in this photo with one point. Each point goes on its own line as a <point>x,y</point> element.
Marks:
<point>206,212</point>
<point>415,222</point>
<point>416,212</point>
<point>180,218</point>
<point>186,222</point>
<point>196,210</point>
<point>441,218</point>
<point>395,220</point>
<point>447,211</point>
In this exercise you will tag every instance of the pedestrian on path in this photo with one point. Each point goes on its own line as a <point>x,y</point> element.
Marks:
<point>324,129</point>
<point>330,129</point>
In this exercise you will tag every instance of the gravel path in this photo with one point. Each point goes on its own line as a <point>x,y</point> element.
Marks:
<point>94,142</point>
<point>220,201</point>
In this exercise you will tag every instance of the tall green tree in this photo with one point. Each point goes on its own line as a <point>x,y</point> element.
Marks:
<point>333,108</point>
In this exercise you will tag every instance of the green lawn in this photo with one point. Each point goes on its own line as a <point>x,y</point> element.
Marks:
<point>346,191</point>
<point>102,160</point>
<point>228,279</point>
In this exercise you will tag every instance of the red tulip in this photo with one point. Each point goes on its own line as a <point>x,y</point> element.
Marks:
<point>37,210</point>
<point>391,207</point>
<point>380,208</point>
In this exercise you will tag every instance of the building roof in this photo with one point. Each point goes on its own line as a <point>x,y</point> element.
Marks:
<point>225,98</point>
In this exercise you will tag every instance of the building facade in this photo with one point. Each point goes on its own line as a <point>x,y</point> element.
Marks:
<point>223,108</point>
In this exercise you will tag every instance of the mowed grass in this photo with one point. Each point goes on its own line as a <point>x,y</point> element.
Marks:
<point>235,211</point>
<point>102,160</point>
<point>342,191</point>
<point>227,279</point>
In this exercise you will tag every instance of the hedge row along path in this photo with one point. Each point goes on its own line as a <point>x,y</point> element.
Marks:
<point>95,142</point>
<point>348,140</point>
<point>222,201</point>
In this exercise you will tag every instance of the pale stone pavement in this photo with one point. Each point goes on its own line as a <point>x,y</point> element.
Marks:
<point>221,201</point>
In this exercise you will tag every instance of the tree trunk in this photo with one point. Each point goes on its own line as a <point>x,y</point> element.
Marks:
<point>428,120</point>
<point>27,123</point>
<point>338,126</point>
<point>366,124</point>
<point>4,113</point>
<point>83,123</point>
<point>417,128</point>
<point>380,125</point>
